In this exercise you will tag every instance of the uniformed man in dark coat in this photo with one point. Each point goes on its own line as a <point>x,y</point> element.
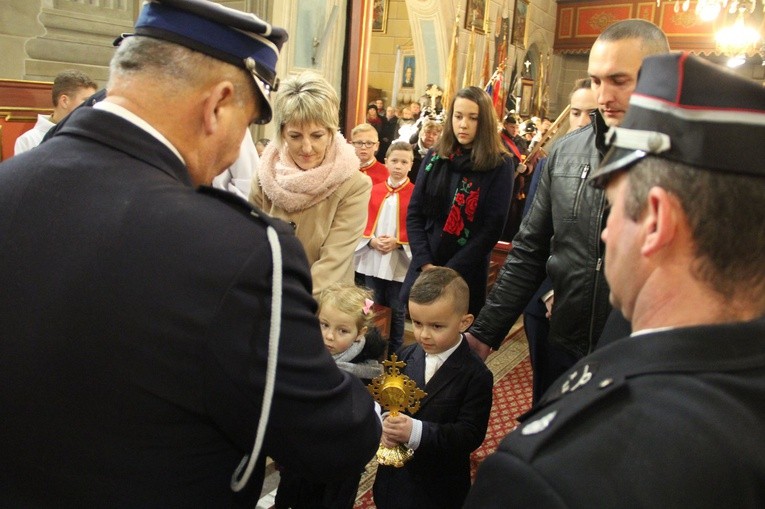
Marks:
<point>158,337</point>
<point>673,415</point>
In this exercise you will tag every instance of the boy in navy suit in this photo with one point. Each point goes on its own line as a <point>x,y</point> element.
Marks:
<point>452,419</point>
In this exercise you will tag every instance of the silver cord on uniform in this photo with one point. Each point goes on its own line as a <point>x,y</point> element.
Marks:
<point>273,355</point>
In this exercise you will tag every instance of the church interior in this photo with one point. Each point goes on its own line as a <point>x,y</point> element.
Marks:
<point>528,52</point>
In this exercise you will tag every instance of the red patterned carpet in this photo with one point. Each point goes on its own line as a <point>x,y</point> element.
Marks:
<point>512,398</point>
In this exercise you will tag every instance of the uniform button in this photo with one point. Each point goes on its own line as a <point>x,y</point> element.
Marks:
<point>605,383</point>
<point>539,425</point>
<point>654,143</point>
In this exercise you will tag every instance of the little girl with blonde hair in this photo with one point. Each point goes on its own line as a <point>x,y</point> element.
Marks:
<point>347,327</point>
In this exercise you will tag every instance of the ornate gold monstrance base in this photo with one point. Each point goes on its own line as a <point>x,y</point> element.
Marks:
<point>394,456</point>
<point>395,392</point>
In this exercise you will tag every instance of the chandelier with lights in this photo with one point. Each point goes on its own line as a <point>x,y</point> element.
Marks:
<point>736,40</point>
<point>708,10</point>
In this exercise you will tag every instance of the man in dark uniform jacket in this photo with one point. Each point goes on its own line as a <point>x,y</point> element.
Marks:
<point>671,416</point>
<point>141,311</point>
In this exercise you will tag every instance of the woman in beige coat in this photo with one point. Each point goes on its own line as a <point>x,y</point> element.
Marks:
<point>309,176</point>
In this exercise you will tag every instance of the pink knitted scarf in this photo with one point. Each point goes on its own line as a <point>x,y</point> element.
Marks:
<point>293,189</point>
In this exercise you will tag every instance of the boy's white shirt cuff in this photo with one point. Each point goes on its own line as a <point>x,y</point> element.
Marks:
<point>416,436</point>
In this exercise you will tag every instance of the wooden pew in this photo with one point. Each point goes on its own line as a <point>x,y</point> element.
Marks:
<point>20,103</point>
<point>498,255</point>
<point>382,319</point>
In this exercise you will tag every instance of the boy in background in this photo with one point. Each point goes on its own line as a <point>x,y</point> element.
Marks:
<point>366,141</point>
<point>382,256</point>
<point>453,416</point>
<point>70,89</point>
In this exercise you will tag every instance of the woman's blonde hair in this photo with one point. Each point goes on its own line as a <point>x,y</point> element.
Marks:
<point>305,99</point>
<point>352,300</point>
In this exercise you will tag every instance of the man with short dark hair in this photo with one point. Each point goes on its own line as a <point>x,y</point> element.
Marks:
<point>70,89</point>
<point>671,416</point>
<point>513,140</point>
<point>573,214</point>
<point>517,147</point>
<point>159,337</point>
<point>389,131</point>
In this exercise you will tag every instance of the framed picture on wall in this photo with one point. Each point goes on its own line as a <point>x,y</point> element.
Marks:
<point>380,16</point>
<point>407,71</point>
<point>527,90</point>
<point>519,23</point>
<point>474,15</point>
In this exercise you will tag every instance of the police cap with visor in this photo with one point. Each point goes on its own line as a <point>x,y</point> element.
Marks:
<point>689,110</point>
<point>238,38</point>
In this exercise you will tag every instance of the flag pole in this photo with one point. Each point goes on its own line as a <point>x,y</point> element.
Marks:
<point>486,47</point>
<point>467,77</point>
<point>450,87</point>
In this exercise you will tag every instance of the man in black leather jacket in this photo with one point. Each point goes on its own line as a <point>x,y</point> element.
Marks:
<point>560,236</point>
<point>670,416</point>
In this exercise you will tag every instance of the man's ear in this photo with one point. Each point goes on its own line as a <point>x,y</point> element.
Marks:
<point>659,220</point>
<point>218,97</point>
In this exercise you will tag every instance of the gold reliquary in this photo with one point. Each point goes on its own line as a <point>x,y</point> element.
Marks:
<point>395,392</point>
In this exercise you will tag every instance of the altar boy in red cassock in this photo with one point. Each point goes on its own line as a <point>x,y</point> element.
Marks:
<point>366,142</point>
<point>383,254</point>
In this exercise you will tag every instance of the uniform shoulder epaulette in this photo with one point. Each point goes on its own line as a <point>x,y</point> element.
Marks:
<point>240,204</point>
<point>581,390</point>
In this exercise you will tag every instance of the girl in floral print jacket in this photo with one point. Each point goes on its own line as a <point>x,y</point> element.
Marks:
<point>460,203</point>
